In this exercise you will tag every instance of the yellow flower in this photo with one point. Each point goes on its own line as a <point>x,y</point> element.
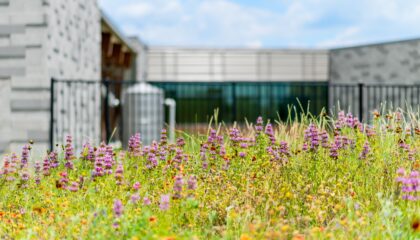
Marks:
<point>168,238</point>
<point>285,228</point>
<point>245,237</point>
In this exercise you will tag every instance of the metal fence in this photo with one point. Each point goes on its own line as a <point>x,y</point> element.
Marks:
<point>361,99</point>
<point>94,109</point>
<point>101,110</point>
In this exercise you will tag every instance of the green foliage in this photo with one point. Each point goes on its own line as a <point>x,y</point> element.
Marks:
<point>305,194</point>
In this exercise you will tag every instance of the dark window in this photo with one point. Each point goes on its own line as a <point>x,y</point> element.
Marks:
<point>197,101</point>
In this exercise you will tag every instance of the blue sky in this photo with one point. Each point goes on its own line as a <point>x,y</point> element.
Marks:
<point>266,23</point>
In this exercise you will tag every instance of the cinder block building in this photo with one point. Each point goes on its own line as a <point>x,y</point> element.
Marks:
<point>74,40</point>
<point>44,39</point>
<point>388,70</point>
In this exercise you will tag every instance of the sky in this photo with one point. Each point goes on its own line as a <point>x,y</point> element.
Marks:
<point>265,23</point>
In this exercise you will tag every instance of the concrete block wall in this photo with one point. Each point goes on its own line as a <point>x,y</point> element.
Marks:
<point>40,39</point>
<point>379,64</point>
<point>394,62</point>
<point>74,52</point>
<point>5,113</point>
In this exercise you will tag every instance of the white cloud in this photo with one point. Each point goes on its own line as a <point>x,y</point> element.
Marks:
<point>346,37</point>
<point>136,10</point>
<point>254,44</point>
<point>273,23</point>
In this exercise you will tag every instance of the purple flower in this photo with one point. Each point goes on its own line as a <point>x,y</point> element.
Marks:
<point>365,151</point>
<point>53,159</point>
<point>163,137</point>
<point>401,171</point>
<point>24,176</point>
<point>242,154</point>
<point>222,151</point>
<point>284,148</point>
<point>88,152</point>
<point>192,183</point>
<point>164,202</point>
<point>46,165</point>
<point>180,142</point>
<point>99,161</point>
<point>270,133</point>
<point>259,125</point>
<point>134,145</point>
<point>74,187</point>
<point>234,136</point>
<point>350,120</point>
<point>7,168</point>
<point>152,161</point>
<point>136,186</point>
<point>135,198</point>
<point>205,165</point>
<point>312,136</point>
<point>410,184</point>
<point>119,174</point>
<point>146,201</point>
<point>324,139</point>
<point>212,136</point>
<point>64,179</point>
<point>118,208</point>
<point>25,156</point>
<point>334,151</point>
<point>68,155</point>
<point>179,182</point>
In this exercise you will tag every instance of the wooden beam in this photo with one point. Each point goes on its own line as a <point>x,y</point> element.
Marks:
<point>106,40</point>
<point>127,59</point>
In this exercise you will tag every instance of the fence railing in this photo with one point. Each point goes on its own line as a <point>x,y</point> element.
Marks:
<point>75,108</point>
<point>361,99</point>
<point>93,109</point>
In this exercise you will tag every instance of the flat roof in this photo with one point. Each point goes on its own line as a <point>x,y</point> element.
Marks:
<point>378,44</point>
<point>116,31</point>
<point>231,49</point>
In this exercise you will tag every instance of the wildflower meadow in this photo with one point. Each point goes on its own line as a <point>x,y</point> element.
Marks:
<point>317,177</point>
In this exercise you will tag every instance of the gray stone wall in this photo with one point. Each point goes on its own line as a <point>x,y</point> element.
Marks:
<point>40,39</point>
<point>74,52</point>
<point>380,67</point>
<point>5,114</point>
<point>395,62</point>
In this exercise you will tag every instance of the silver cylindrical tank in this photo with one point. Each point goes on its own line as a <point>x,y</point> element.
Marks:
<point>143,112</point>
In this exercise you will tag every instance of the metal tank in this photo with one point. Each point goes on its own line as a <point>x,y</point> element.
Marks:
<point>143,112</point>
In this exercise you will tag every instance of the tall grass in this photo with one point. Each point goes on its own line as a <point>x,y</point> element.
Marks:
<point>310,177</point>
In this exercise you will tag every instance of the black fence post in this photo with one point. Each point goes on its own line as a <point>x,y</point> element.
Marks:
<point>52,114</point>
<point>360,86</point>
<point>106,112</point>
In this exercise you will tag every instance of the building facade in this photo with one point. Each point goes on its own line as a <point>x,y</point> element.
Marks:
<point>240,83</point>
<point>74,40</point>
<point>390,73</point>
<point>41,39</point>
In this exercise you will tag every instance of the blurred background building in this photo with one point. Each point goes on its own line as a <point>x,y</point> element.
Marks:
<point>74,42</point>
